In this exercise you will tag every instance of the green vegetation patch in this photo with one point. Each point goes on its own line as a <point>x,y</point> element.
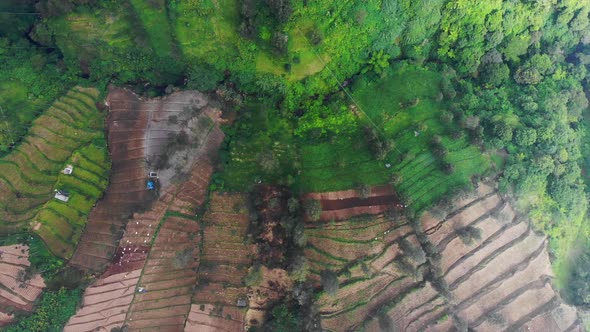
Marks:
<point>36,169</point>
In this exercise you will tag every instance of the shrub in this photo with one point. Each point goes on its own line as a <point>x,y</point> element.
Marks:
<point>330,281</point>
<point>363,190</point>
<point>182,258</point>
<point>469,234</point>
<point>313,209</point>
<point>253,277</point>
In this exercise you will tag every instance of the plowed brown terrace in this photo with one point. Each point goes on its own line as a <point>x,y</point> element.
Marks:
<point>339,205</point>
<point>16,292</point>
<point>501,281</point>
<point>224,262</point>
<point>126,124</point>
<point>152,275</point>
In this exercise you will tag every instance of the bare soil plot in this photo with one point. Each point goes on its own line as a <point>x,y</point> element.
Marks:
<point>17,291</point>
<point>407,314</point>
<point>114,209</point>
<point>141,134</point>
<point>340,205</point>
<point>366,252</point>
<point>212,318</point>
<point>172,279</point>
<point>105,303</point>
<point>561,318</point>
<point>501,281</point>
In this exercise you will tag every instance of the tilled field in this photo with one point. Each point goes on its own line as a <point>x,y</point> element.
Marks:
<point>485,270</point>
<point>169,276</point>
<point>160,246</point>
<point>376,256</point>
<point>339,205</point>
<point>105,303</point>
<point>225,260</point>
<point>126,124</point>
<point>501,279</point>
<point>16,291</point>
<point>141,132</point>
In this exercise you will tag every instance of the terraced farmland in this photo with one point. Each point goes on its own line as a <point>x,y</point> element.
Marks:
<point>139,134</point>
<point>379,262</point>
<point>159,248</point>
<point>480,267</point>
<point>17,291</point>
<point>105,303</point>
<point>69,132</point>
<point>225,259</point>
<point>500,279</point>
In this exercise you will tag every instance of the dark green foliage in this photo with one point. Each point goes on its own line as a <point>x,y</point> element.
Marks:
<point>283,319</point>
<point>53,311</point>
<point>330,281</point>
<point>577,290</point>
<point>525,136</point>
<point>469,234</point>
<point>203,77</point>
<point>494,74</point>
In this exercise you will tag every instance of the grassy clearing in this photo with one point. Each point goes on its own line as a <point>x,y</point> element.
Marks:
<point>338,166</point>
<point>83,31</point>
<point>155,21</point>
<point>207,30</point>
<point>405,105</point>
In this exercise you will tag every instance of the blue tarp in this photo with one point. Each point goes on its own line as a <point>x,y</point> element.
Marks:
<point>150,185</point>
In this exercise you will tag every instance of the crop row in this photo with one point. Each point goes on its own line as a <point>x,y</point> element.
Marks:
<point>33,170</point>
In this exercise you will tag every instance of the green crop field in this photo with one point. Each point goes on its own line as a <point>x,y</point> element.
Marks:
<point>32,172</point>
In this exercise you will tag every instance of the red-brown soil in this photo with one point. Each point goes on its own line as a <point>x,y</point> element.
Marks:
<point>126,123</point>
<point>365,251</point>
<point>340,205</point>
<point>211,318</point>
<point>16,293</point>
<point>168,276</point>
<point>498,281</point>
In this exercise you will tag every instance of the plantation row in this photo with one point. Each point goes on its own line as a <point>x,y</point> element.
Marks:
<point>68,133</point>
